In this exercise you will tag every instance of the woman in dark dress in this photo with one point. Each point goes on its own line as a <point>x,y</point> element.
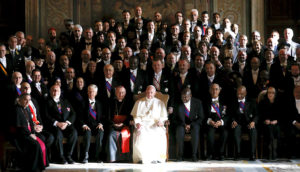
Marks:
<point>32,146</point>
<point>269,109</point>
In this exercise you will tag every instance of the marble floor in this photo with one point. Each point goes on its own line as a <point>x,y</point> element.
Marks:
<point>218,166</point>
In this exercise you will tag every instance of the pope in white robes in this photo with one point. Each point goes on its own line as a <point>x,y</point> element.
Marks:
<point>149,137</point>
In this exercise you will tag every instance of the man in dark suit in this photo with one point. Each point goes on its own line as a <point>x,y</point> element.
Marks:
<point>194,19</point>
<point>161,80</point>
<point>78,43</point>
<point>251,78</point>
<point>108,84</point>
<point>182,79</point>
<point>119,132</point>
<point>189,116</point>
<point>39,90</point>
<point>207,78</point>
<point>138,12</point>
<point>92,121</point>
<point>134,78</point>
<point>60,117</point>
<point>15,55</point>
<point>150,35</point>
<point>217,120</point>
<point>49,68</point>
<point>6,67</point>
<point>244,118</point>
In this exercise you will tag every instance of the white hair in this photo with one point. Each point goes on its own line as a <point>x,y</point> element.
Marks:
<point>78,26</point>
<point>195,10</point>
<point>93,86</point>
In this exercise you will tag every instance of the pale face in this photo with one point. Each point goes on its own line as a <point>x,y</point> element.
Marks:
<point>197,31</point>
<point>98,26</point>
<point>2,51</point>
<point>126,16</point>
<point>80,83</point>
<point>215,90</point>
<point>92,67</point>
<point>150,26</point>
<point>30,66</point>
<point>122,43</point>
<point>175,30</point>
<point>269,55</point>
<point>111,38</point>
<point>50,57</point>
<point>17,78</point>
<point>295,70</point>
<point>242,56</point>
<point>194,16</point>
<point>271,93</point>
<point>92,93</point>
<point>108,71</point>
<point>12,43</point>
<point>70,73</point>
<point>157,17</point>
<point>55,91</point>
<point>85,56</point>
<point>138,11</point>
<point>106,54</point>
<point>127,52</point>
<point>157,66</point>
<point>77,32</point>
<point>204,18</point>
<point>150,92</point>
<point>214,52</point>
<point>199,61</point>
<point>288,34</point>
<point>120,93</point>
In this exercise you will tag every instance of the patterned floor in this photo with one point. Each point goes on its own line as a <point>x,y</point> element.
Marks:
<point>218,166</point>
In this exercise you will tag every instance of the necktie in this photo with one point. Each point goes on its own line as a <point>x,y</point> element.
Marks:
<point>156,83</point>
<point>242,105</point>
<point>59,107</point>
<point>132,77</point>
<point>186,111</point>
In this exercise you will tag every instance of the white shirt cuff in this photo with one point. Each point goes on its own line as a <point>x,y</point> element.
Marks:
<point>222,122</point>
<point>69,123</point>
<point>84,125</point>
<point>208,121</point>
<point>55,123</point>
<point>294,122</point>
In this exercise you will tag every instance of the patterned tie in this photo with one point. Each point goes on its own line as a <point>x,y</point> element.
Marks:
<point>132,77</point>
<point>186,111</point>
<point>242,105</point>
<point>59,107</point>
<point>156,84</point>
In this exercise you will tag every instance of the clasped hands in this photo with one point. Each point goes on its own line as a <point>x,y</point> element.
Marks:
<point>99,126</point>
<point>250,126</point>
<point>62,125</point>
<point>38,128</point>
<point>215,124</point>
<point>158,123</point>
<point>269,122</point>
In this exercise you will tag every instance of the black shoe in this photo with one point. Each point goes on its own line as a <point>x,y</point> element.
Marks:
<point>209,157</point>
<point>252,158</point>
<point>70,160</point>
<point>86,158</point>
<point>237,157</point>
<point>221,158</point>
<point>194,159</point>
<point>179,159</point>
<point>62,160</point>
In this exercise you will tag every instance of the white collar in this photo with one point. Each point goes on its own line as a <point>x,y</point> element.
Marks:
<point>243,100</point>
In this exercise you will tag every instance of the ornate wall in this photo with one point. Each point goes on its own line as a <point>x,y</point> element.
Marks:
<point>43,14</point>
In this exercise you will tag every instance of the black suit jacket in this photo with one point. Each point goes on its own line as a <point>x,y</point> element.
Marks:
<point>87,119</point>
<point>214,116</point>
<point>6,78</point>
<point>102,93</point>
<point>250,113</point>
<point>252,89</point>
<point>52,113</point>
<point>140,82</point>
<point>196,113</point>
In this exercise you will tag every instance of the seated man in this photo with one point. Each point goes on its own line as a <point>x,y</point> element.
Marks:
<point>149,137</point>
<point>60,117</point>
<point>92,123</point>
<point>189,116</point>
<point>244,118</point>
<point>217,120</point>
<point>119,133</point>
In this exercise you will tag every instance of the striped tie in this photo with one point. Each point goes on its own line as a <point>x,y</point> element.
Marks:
<point>156,84</point>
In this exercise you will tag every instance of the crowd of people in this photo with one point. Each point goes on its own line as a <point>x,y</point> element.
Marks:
<point>84,82</point>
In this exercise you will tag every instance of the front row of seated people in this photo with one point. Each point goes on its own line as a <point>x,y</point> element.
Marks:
<point>149,115</point>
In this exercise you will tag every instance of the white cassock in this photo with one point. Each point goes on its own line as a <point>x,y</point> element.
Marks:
<point>150,142</point>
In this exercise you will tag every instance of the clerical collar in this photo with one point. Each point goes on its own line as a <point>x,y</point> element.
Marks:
<point>243,100</point>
